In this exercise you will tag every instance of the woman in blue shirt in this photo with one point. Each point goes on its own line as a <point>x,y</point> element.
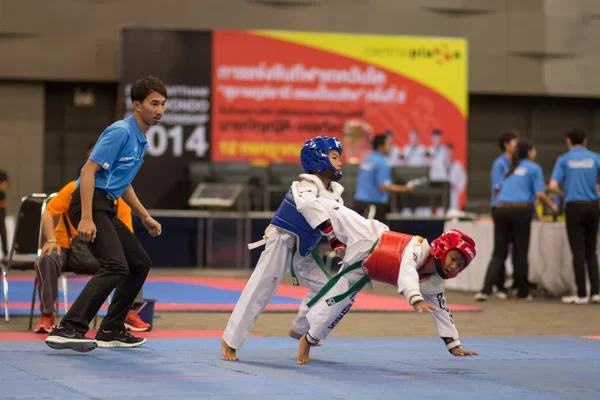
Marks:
<point>522,185</point>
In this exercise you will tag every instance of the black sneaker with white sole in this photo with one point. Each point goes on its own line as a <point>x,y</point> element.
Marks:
<point>61,338</point>
<point>117,338</point>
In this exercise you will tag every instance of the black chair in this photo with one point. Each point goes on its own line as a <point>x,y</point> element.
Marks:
<point>239,172</point>
<point>35,281</point>
<point>199,172</point>
<point>258,183</point>
<point>349,181</point>
<point>439,194</point>
<point>280,177</point>
<point>420,195</point>
<point>235,173</point>
<point>27,241</point>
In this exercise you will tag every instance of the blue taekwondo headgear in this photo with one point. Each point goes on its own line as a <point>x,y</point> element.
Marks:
<point>314,156</point>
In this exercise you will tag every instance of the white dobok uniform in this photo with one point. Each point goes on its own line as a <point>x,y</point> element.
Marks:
<point>275,260</point>
<point>360,235</point>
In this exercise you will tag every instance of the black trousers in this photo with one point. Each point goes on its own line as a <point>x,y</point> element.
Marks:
<point>364,208</point>
<point>582,228</point>
<point>3,231</point>
<point>124,265</point>
<point>500,280</point>
<point>511,225</point>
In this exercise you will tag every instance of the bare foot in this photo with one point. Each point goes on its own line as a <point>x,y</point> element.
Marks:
<point>298,336</point>
<point>228,352</point>
<point>303,351</point>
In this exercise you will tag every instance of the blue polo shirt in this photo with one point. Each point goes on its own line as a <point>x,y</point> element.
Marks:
<point>578,170</point>
<point>522,185</point>
<point>374,171</point>
<point>499,168</point>
<point>120,152</point>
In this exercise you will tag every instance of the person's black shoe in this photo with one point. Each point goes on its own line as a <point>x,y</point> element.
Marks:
<point>62,338</point>
<point>117,338</point>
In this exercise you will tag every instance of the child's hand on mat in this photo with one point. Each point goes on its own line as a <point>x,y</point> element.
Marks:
<point>460,352</point>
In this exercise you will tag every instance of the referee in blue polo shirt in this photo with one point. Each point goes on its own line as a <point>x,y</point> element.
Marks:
<point>522,185</point>
<point>508,143</point>
<point>578,170</point>
<point>374,182</point>
<point>124,264</point>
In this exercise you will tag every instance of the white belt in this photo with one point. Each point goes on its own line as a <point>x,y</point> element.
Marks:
<point>264,240</point>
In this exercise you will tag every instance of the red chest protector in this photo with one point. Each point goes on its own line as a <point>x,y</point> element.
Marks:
<point>383,264</point>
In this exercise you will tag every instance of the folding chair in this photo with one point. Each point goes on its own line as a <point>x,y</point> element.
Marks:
<point>26,244</point>
<point>40,245</point>
<point>280,177</point>
<point>62,278</point>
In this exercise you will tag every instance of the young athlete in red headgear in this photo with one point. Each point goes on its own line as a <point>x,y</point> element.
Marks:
<point>375,253</point>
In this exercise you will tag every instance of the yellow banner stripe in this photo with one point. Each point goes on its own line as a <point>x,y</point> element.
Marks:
<point>436,62</point>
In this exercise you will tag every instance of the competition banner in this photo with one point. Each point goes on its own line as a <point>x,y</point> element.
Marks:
<point>261,94</point>
<point>272,90</point>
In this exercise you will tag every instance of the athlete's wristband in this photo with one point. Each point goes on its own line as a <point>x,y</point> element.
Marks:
<point>453,344</point>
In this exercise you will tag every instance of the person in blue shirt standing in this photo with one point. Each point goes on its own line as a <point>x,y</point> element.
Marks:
<point>124,264</point>
<point>578,170</point>
<point>508,143</point>
<point>522,185</point>
<point>374,182</point>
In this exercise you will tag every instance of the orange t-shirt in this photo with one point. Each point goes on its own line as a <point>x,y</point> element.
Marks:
<point>59,205</point>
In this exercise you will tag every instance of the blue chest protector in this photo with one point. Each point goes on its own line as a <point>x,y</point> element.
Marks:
<point>288,218</point>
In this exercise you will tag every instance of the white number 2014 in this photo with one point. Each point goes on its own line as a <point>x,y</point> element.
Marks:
<point>158,141</point>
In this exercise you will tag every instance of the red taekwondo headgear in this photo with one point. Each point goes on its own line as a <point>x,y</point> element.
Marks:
<point>453,239</point>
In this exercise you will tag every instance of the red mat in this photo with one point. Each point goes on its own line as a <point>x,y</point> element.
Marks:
<point>591,337</point>
<point>365,301</point>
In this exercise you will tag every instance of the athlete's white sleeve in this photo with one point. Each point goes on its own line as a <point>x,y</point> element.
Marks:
<point>443,319</point>
<point>305,195</point>
<point>408,278</point>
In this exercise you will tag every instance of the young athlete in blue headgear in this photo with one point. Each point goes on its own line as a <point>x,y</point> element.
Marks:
<point>291,240</point>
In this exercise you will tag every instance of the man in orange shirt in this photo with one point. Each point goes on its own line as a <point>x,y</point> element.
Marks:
<point>55,253</point>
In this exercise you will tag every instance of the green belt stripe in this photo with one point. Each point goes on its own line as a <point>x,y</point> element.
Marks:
<point>318,260</point>
<point>357,286</point>
<point>332,283</point>
<point>320,263</point>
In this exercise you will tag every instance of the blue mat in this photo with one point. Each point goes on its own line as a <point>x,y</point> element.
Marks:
<point>508,368</point>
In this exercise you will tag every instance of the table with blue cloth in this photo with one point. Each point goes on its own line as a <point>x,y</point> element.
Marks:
<point>550,260</point>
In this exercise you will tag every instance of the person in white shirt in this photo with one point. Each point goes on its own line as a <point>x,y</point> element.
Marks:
<point>291,240</point>
<point>375,253</point>
<point>437,157</point>
<point>394,157</point>
<point>413,154</point>
<point>457,177</point>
